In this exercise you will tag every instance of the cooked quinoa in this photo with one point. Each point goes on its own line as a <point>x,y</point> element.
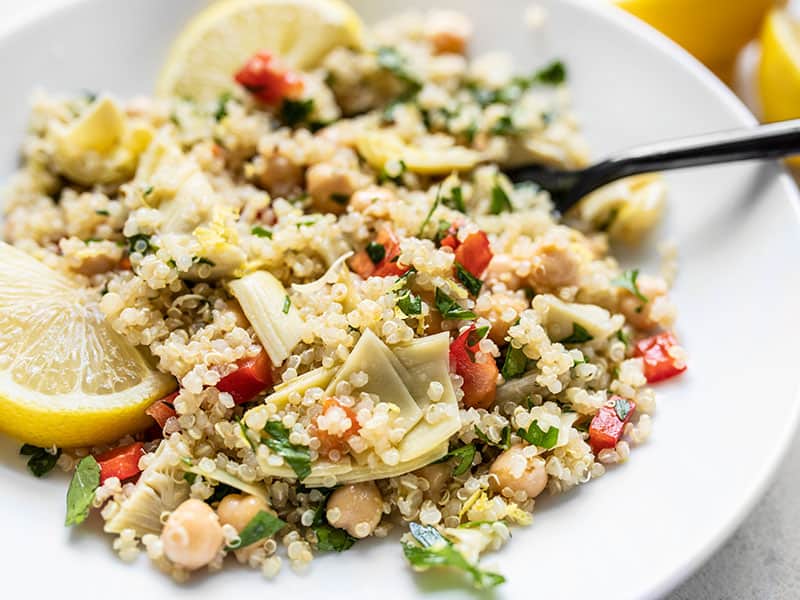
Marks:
<point>368,324</point>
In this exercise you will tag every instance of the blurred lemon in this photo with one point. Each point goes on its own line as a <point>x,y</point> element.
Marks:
<point>714,31</point>
<point>220,39</point>
<point>779,69</point>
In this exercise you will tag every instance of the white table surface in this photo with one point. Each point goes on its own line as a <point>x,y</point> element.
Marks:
<point>761,560</point>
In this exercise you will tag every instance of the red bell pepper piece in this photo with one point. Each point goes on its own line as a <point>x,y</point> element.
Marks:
<point>361,264</point>
<point>329,441</point>
<point>162,410</point>
<point>480,379</point>
<point>253,376</point>
<point>122,462</point>
<point>389,265</point>
<point>267,80</point>
<point>658,363</point>
<point>606,427</point>
<point>449,241</point>
<point>474,253</point>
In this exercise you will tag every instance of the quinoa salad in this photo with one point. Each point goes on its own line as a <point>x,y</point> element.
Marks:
<point>330,313</point>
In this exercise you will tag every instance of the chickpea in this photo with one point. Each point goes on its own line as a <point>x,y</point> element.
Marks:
<point>437,476</point>
<point>638,313</point>
<point>502,269</point>
<point>515,471</point>
<point>239,509</point>
<point>501,310</point>
<point>448,32</point>
<point>555,265</point>
<point>280,176</point>
<point>192,535</point>
<point>357,508</point>
<point>330,187</point>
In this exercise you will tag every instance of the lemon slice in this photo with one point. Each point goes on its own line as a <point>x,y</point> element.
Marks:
<point>779,69</point>
<point>714,32</point>
<point>218,41</point>
<point>66,378</point>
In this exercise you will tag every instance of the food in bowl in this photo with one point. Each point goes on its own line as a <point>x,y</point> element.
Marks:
<point>294,301</point>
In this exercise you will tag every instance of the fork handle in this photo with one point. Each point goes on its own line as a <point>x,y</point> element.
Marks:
<point>776,140</point>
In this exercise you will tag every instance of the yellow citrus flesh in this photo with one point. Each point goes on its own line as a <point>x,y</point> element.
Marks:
<point>66,377</point>
<point>216,43</point>
<point>779,69</point>
<point>712,30</point>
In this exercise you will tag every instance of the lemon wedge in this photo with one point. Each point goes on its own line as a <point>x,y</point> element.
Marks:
<point>713,31</point>
<point>218,41</point>
<point>779,68</point>
<point>66,377</point>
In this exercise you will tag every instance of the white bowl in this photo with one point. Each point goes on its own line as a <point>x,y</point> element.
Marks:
<point>719,432</point>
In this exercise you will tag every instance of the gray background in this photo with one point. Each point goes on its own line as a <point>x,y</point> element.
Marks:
<point>761,560</point>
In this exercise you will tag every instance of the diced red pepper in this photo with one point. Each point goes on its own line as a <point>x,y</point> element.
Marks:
<point>329,441</point>
<point>264,77</point>
<point>162,410</point>
<point>361,264</point>
<point>122,462</point>
<point>389,265</point>
<point>606,427</point>
<point>449,241</point>
<point>480,379</point>
<point>474,253</point>
<point>658,363</point>
<point>253,376</point>
<point>125,263</point>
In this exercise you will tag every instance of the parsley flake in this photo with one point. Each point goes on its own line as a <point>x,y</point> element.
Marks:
<point>515,363</point>
<point>295,112</point>
<point>262,526</point>
<point>287,304</point>
<point>536,437</point>
<point>41,461</point>
<point>623,408</point>
<point>297,457</point>
<point>579,335</point>
<point>464,454</point>
<point>81,490</point>
<point>259,231</point>
<point>376,252</point>
<point>628,281</point>
<point>500,201</point>
<point>449,308</point>
<point>469,281</point>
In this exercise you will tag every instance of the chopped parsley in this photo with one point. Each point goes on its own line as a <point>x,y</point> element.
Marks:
<point>41,461</point>
<point>579,335</point>
<point>102,212</point>
<point>392,171</point>
<point>553,74</point>
<point>297,457</point>
<point>449,308</point>
<point>536,437</point>
<point>341,199</point>
<point>434,550</point>
<point>262,526</point>
<point>623,408</point>
<point>455,200</point>
<point>623,337</point>
<point>410,304</point>
<point>505,438</point>
<point>140,243</point>
<point>434,206</point>
<point>477,335</point>
<point>628,281</point>
<point>287,304</point>
<point>147,190</point>
<point>329,538</point>
<point>220,491</point>
<point>376,252</point>
<point>397,64</point>
<point>515,363</point>
<point>295,112</point>
<point>500,202</point>
<point>504,126</point>
<point>464,454</point>
<point>189,477</point>
<point>259,231</point>
<point>222,106</point>
<point>81,490</point>
<point>469,281</point>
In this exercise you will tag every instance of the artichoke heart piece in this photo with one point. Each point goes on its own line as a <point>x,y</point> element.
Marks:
<point>366,473</point>
<point>318,378</point>
<point>373,357</point>
<point>266,305</point>
<point>559,318</point>
<point>323,473</point>
<point>221,476</point>
<point>160,488</point>
<point>378,147</point>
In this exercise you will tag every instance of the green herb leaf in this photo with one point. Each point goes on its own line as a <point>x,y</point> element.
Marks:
<point>623,408</point>
<point>436,551</point>
<point>623,337</point>
<point>472,283</point>
<point>222,106</point>
<point>504,126</point>
<point>297,457</point>
<point>553,74</point>
<point>455,200</point>
<point>376,252</point>
<point>220,491</point>
<point>464,454</point>
<point>189,477</point>
<point>515,363</point>
<point>537,437</point>
<point>449,308</point>
<point>505,438</point>
<point>500,201</point>
<point>294,112</point>
<point>579,335</point>
<point>81,490</point>
<point>140,243</point>
<point>41,461</point>
<point>628,281</point>
<point>259,231</point>
<point>410,304</point>
<point>333,539</point>
<point>287,304</point>
<point>477,335</point>
<point>397,178</point>
<point>262,526</point>
<point>341,199</point>
<point>434,206</point>
<point>391,60</point>
<point>102,212</point>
